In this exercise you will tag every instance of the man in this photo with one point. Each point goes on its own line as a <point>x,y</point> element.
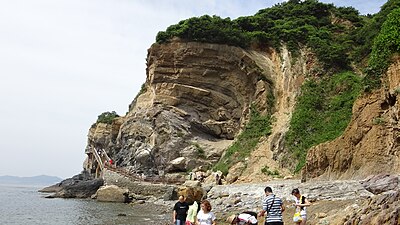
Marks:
<point>180,211</point>
<point>272,207</point>
<point>244,218</point>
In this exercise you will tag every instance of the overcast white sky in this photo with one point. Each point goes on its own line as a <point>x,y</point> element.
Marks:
<point>63,62</point>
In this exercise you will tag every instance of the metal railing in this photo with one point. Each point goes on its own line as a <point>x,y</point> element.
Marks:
<point>103,160</point>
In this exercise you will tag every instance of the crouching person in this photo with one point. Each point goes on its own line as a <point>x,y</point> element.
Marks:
<point>244,218</point>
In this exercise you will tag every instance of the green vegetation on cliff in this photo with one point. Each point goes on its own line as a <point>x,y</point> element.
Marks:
<point>258,126</point>
<point>385,45</point>
<point>294,22</point>
<point>340,38</point>
<point>322,112</point>
<point>107,117</point>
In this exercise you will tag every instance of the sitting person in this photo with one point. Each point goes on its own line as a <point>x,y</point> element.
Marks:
<point>244,218</point>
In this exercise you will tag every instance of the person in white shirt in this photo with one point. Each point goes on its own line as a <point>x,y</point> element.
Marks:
<point>244,218</point>
<point>300,203</point>
<point>205,216</point>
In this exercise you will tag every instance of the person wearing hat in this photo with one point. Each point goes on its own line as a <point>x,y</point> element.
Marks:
<point>242,219</point>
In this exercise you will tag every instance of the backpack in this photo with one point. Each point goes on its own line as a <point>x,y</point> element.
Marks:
<point>302,201</point>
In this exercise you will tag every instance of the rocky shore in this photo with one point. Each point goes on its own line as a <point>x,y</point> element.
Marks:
<point>375,200</point>
<point>333,202</point>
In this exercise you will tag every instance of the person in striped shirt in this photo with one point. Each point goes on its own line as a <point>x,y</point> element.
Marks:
<point>272,208</point>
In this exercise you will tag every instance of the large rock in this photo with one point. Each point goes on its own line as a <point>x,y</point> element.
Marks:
<point>381,183</point>
<point>80,186</point>
<point>381,209</point>
<point>191,193</point>
<point>112,193</point>
<point>178,164</point>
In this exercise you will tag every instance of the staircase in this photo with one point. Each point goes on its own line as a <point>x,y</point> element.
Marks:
<point>100,158</point>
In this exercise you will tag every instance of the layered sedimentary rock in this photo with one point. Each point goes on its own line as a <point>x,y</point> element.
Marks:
<point>196,99</point>
<point>371,142</point>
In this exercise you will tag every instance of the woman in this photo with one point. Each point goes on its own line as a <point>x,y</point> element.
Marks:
<point>300,203</point>
<point>192,214</point>
<point>205,216</point>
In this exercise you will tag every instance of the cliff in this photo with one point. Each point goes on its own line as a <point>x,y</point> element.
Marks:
<point>257,110</point>
<point>197,98</point>
<point>371,143</point>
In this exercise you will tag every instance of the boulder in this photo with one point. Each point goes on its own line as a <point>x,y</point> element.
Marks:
<point>377,184</point>
<point>178,164</point>
<point>191,193</point>
<point>112,193</point>
<point>171,194</point>
<point>79,186</point>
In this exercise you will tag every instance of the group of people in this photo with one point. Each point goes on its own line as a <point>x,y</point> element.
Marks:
<point>185,214</point>
<point>272,210</point>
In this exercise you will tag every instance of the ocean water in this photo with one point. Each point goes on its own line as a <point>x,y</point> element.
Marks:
<point>25,205</point>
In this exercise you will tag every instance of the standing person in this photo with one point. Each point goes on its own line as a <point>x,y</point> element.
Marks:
<point>300,202</point>
<point>244,218</point>
<point>273,207</point>
<point>205,216</point>
<point>217,179</point>
<point>192,214</point>
<point>180,211</point>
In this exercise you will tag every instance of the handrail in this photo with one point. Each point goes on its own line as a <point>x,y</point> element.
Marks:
<point>122,171</point>
<point>105,155</point>
<point>98,158</point>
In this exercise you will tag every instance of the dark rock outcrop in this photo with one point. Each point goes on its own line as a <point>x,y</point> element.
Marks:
<point>79,186</point>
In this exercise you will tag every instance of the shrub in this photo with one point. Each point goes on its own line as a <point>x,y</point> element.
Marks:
<point>385,45</point>
<point>199,150</point>
<point>268,172</point>
<point>378,121</point>
<point>107,117</point>
<point>293,22</point>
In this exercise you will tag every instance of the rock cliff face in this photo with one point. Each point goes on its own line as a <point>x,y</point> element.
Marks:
<point>371,142</point>
<point>197,98</point>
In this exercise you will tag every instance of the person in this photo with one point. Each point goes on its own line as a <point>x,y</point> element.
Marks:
<point>273,207</point>
<point>244,218</point>
<point>205,216</point>
<point>192,214</point>
<point>180,211</point>
<point>217,179</point>
<point>300,203</point>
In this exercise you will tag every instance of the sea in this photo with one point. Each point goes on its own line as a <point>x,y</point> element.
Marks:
<point>22,204</point>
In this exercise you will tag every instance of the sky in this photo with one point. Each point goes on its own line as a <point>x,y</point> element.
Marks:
<point>64,62</point>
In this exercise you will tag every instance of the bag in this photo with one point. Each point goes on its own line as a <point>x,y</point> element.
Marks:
<point>297,217</point>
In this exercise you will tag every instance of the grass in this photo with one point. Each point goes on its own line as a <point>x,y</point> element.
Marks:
<point>322,113</point>
<point>274,173</point>
<point>199,150</point>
